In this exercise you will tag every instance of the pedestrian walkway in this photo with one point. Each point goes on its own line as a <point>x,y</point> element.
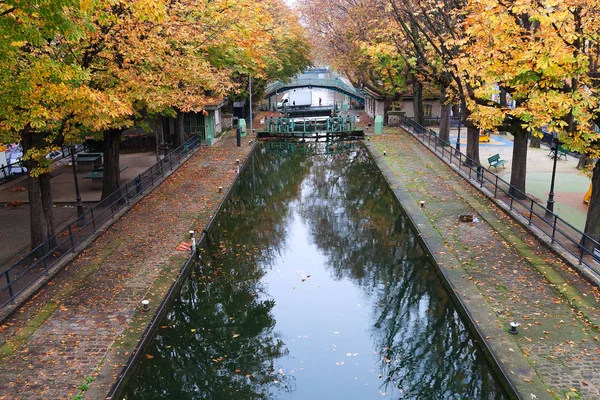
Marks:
<point>75,336</point>
<point>501,273</point>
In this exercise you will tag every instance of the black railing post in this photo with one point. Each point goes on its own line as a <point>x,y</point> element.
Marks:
<point>554,228</point>
<point>9,283</point>
<point>93,219</point>
<point>531,211</point>
<point>71,237</point>
<point>496,187</point>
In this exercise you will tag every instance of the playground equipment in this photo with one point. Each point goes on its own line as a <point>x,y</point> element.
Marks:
<point>588,196</point>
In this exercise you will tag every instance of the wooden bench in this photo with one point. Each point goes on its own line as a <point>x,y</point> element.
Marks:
<point>97,175</point>
<point>495,161</point>
<point>88,161</point>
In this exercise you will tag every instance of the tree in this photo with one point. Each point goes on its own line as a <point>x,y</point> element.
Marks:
<point>533,52</point>
<point>99,68</point>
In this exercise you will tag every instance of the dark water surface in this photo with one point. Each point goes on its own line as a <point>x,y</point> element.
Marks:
<point>313,286</point>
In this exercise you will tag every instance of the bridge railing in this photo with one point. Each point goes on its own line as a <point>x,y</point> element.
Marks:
<point>333,83</point>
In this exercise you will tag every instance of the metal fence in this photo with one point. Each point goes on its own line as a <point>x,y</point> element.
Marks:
<point>549,225</point>
<point>29,269</point>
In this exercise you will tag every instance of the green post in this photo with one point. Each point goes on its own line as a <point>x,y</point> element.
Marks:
<point>378,125</point>
<point>242,126</point>
<point>210,127</point>
<point>345,106</point>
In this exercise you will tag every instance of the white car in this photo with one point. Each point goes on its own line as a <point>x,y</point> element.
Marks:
<point>14,161</point>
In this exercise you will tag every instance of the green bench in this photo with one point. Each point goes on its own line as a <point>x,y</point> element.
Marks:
<point>560,152</point>
<point>97,175</point>
<point>495,161</point>
<point>88,161</point>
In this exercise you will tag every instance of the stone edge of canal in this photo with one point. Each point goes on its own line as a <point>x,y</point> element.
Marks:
<point>512,369</point>
<point>146,338</point>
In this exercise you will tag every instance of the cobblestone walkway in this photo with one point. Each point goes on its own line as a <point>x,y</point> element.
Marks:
<point>74,337</point>
<point>516,276</point>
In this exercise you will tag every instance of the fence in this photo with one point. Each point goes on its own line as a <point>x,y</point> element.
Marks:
<point>23,273</point>
<point>551,226</point>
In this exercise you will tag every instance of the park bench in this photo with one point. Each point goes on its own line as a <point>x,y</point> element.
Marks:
<point>88,161</point>
<point>560,152</point>
<point>97,175</point>
<point>495,161</point>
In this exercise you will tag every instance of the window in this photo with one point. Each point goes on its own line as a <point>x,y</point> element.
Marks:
<point>427,108</point>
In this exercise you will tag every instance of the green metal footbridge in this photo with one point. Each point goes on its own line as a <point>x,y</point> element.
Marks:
<point>332,83</point>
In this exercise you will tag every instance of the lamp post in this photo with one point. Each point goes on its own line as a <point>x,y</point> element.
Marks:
<point>250,87</point>
<point>79,204</point>
<point>458,136</point>
<point>550,202</point>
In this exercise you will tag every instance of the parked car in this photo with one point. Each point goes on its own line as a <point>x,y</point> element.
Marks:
<point>14,161</point>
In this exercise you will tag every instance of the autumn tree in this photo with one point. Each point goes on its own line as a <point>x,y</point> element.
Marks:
<point>533,51</point>
<point>99,68</point>
<point>349,36</point>
<point>39,92</point>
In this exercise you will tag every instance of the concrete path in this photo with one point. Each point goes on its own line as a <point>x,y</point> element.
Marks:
<point>501,273</point>
<point>75,336</point>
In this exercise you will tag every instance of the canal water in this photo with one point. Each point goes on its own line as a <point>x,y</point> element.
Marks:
<point>312,285</point>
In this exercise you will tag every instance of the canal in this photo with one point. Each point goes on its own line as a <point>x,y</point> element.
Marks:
<point>312,285</point>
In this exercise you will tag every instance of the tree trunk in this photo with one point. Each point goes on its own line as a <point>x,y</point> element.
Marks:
<point>583,160</point>
<point>112,171</point>
<point>518,172</point>
<point>535,142</point>
<point>178,138</point>
<point>472,139</point>
<point>473,145</point>
<point>592,223</point>
<point>418,101</point>
<point>502,97</point>
<point>445,116</point>
<point>41,213</point>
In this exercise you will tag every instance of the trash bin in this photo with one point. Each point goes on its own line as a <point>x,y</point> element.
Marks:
<point>378,130</point>
<point>242,126</point>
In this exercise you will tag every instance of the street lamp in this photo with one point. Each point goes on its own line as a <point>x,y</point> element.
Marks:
<point>79,204</point>
<point>550,202</point>
<point>458,136</point>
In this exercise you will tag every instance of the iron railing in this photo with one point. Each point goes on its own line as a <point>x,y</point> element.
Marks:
<point>23,273</point>
<point>549,225</point>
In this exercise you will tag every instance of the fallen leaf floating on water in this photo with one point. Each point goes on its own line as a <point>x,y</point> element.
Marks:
<point>235,335</point>
<point>149,356</point>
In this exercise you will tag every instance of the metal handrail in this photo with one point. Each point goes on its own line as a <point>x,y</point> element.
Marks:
<point>557,230</point>
<point>23,273</point>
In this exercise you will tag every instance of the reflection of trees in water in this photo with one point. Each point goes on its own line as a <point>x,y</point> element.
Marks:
<point>259,206</point>
<point>425,349</point>
<point>219,340</point>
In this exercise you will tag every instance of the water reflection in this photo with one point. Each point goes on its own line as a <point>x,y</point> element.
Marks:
<point>250,324</point>
<point>424,349</point>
